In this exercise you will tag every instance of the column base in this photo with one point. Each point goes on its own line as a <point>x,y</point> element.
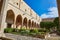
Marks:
<point>2,34</point>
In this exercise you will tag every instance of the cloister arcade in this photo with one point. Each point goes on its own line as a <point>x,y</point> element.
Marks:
<point>20,22</point>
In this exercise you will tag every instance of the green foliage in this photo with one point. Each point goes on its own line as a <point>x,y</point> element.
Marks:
<point>56,21</point>
<point>24,31</point>
<point>47,25</point>
<point>34,30</point>
<point>43,30</point>
<point>27,32</point>
<point>15,30</point>
<point>8,30</point>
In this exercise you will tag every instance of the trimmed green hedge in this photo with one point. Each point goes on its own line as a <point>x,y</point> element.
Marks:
<point>27,32</point>
<point>24,31</point>
<point>8,30</point>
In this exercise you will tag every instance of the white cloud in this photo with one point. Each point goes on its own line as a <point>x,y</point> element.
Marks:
<point>53,13</point>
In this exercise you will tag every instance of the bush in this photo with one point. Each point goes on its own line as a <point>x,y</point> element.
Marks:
<point>34,30</point>
<point>32,34</point>
<point>43,30</point>
<point>15,30</point>
<point>24,32</point>
<point>8,30</point>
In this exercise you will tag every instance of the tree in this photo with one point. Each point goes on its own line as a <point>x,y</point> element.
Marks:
<point>47,25</point>
<point>42,24</point>
<point>56,21</point>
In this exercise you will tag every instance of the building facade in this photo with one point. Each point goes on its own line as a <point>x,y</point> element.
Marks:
<point>17,14</point>
<point>48,19</point>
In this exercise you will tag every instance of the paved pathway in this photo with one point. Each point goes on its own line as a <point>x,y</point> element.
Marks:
<point>19,37</point>
<point>53,37</point>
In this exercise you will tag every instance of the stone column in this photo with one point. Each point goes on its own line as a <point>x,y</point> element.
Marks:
<point>58,4</point>
<point>3,17</point>
<point>14,25</point>
<point>27,25</point>
<point>22,23</point>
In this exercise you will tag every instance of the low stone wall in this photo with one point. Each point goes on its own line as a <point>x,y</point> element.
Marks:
<point>19,37</point>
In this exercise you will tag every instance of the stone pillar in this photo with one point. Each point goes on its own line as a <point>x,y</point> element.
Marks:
<point>14,25</point>
<point>58,4</point>
<point>27,25</point>
<point>3,17</point>
<point>22,23</point>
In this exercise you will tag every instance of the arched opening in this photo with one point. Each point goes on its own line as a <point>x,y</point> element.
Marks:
<point>19,21</point>
<point>10,18</point>
<point>32,24</point>
<point>38,25</point>
<point>25,22</point>
<point>29,23</point>
<point>35,24</point>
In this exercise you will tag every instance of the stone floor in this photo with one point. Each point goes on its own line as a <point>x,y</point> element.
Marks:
<point>19,37</point>
<point>53,37</point>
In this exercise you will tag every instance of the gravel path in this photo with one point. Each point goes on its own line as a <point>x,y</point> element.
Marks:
<point>53,37</point>
<point>19,37</point>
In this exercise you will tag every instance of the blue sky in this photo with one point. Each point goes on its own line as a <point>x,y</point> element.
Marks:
<point>44,8</point>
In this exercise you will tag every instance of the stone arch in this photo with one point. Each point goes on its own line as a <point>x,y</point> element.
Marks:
<point>29,23</point>
<point>19,21</point>
<point>35,24</point>
<point>25,22</point>
<point>39,25</point>
<point>10,18</point>
<point>32,23</point>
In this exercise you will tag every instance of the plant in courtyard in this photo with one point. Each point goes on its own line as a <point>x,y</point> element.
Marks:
<point>47,25</point>
<point>42,30</point>
<point>15,30</point>
<point>24,31</point>
<point>33,32</point>
<point>27,32</point>
<point>56,21</point>
<point>8,30</point>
